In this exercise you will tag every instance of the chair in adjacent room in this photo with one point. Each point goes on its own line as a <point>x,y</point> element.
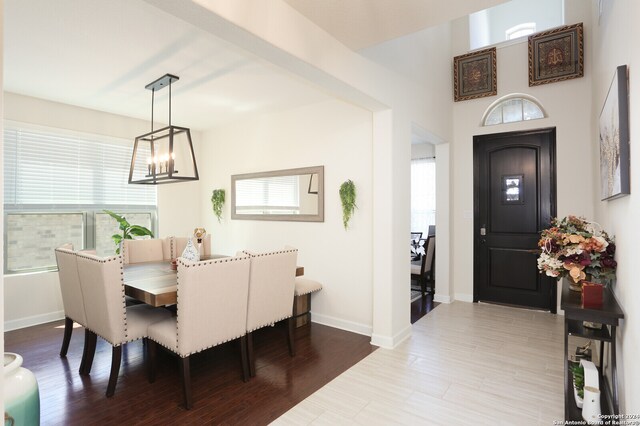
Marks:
<point>101,281</point>
<point>71,297</point>
<point>425,272</point>
<point>212,309</point>
<point>272,284</point>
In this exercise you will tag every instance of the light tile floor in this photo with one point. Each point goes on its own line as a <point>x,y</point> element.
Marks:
<point>464,364</point>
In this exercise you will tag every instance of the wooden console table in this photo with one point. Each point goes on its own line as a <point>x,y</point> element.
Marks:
<point>608,315</point>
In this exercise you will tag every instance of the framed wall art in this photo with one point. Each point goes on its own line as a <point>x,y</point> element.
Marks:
<point>556,55</point>
<point>614,138</point>
<point>474,75</point>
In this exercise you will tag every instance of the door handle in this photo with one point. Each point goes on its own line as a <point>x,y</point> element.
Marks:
<point>483,230</point>
<point>483,241</point>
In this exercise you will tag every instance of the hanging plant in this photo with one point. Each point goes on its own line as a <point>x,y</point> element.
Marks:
<point>348,198</point>
<point>217,201</point>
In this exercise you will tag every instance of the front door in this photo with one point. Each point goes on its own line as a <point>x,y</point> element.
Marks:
<point>514,199</point>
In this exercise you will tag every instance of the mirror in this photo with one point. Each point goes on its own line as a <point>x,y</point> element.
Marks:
<point>293,194</point>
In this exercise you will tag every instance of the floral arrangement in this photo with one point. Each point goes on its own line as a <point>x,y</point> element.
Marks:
<point>575,247</point>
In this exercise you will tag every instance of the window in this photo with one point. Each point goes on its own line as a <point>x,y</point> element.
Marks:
<point>513,19</point>
<point>521,30</point>
<point>278,195</point>
<point>512,108</point>
<point>423,194</point>
<point>56,185</point>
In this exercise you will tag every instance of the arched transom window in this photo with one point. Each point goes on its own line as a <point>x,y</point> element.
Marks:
<point>512,108</point>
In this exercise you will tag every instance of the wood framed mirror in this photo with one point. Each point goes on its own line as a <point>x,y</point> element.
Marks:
<point>288,195</point>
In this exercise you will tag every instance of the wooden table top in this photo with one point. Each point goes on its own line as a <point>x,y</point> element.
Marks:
<point>154,283</point>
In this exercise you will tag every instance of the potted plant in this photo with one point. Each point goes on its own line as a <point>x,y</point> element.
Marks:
<point>217,201</point>
<point>348,199</point>
<point>128,231</point>
<point>577,371</point>
<point>578,249</point>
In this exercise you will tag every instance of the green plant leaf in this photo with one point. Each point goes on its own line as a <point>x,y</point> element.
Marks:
<point>121,220</point>
<point>348,199</point>
<point>139,231</point>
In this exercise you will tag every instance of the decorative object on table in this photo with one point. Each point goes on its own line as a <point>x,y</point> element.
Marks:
<point>217,202</point>
<point>417,249</point>
<point>174,264</point>
<point>21,395</point>
<point>556,55</point>
<point>592,295</point>
<point>614,138</point>
<point>128,231</point>
<point>348,199</point>
<point>591,410</point>
<point>577,249</point>
<point>191,252</point>
<point>164,155</point>
<point>584,352</point>
<point>199,234</point>
<point>474,75</point>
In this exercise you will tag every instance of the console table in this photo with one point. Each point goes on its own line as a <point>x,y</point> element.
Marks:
<point>608,315</point>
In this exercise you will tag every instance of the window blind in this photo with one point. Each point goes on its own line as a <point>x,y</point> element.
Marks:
<point>271,192</point>
<point>43,166</point>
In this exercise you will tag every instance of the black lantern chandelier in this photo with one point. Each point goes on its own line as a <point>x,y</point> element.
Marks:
<point>164,155</point>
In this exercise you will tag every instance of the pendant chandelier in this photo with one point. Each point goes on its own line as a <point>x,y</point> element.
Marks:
<point>164,155</point>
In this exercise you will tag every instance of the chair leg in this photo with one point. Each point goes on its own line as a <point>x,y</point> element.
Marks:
<point>251,355</point>
<point>152,349</point>
<point>423,286</point>
<point>68,329</point>
<point>90,340</point>
<point>291,338</point>
<point>116,359</point>
<point>243,357</point>
<point>186,382</point>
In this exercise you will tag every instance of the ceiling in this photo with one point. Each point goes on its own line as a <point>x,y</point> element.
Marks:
<point>363,23</point>
<point>101,54</point>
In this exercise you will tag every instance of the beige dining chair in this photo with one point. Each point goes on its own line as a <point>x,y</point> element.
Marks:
<point>146,250</point>
<point>71,297</point>
<point>101,281</point>
<point>425,272</point>
<point>271,291</point>
<point>212,309</point>
<point>179,244</point>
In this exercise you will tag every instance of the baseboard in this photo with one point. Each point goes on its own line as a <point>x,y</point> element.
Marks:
<point>334,322</point>
<point>463,297</point>
<point>33,320</point>
<point>440,298</point>
<point>387,342</point>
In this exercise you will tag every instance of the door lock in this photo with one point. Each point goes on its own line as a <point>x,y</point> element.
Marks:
<point>483,231</point>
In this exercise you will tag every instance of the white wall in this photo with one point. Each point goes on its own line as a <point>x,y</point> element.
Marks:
<point>178,204</point>
<point>613,46</point>
<point>332,134</point>
<point>568,105</point>
<point>423,150</point>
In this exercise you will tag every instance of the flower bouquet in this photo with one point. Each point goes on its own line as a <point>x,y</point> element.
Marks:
<point>574,247</point>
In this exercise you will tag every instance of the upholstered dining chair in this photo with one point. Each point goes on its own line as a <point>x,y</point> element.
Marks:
<point>71,297</point>
<point>146,250</point>
<point>425,272</point>
<point>179,244</point>
<point>212,309</point>
<point>101,281</point>
<point>272,284</point>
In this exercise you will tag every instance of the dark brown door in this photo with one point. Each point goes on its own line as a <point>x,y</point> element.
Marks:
<point>514,191</point>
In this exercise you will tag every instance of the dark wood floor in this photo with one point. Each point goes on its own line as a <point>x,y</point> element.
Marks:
<point>220,396</point>
<point>422,307</point>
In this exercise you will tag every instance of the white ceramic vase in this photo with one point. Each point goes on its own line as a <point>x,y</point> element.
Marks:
<point>21,396</point>
<point>591,405</point>
<point>191,252</point>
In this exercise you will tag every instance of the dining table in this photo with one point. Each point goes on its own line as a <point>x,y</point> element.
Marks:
<point>155,283</point>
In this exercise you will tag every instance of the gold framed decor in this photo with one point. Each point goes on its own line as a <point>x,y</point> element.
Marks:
<point>556,55</point>
<point>474,75</point>
<point>614,138</point>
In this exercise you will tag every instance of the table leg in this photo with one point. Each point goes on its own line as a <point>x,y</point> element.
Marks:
<point>566,369</point>
<point>614,379</point>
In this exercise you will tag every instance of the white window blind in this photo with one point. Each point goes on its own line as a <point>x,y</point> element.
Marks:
<point>280,192</point>
<point>54,168</point>
<point>423,194</point>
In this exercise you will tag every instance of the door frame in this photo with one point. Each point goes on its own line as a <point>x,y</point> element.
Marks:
<point>477,139</point>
